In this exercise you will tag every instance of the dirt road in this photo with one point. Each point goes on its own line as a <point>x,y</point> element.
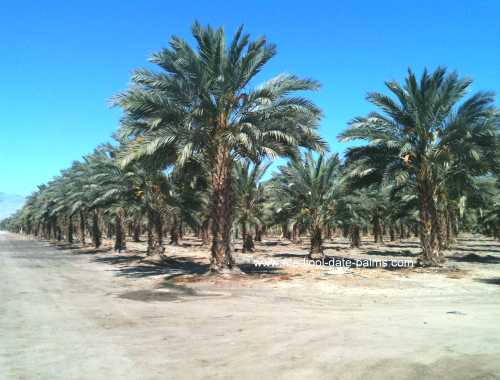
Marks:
<point>68,315</point>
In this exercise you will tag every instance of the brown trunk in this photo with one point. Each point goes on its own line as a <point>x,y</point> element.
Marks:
<point>96,232</point>
<point>70,230</point>
<point>180,230</point>
<point>221,257</point>
<point>82,228</point>
<point>354,234</point>
<point>316,250</point>
<point>205,230</point>
<point>296,234</point>
<point>328,233</point>
<point>120,243</point>
<point>110,230</point>
<point>174,232</point>
<point>429,255</point>
<point>158,228</point>
<point>401,232</point>
<point>377,229</point>
<point>441,230</point>
<point>415,230</point>
<point>149,249</point>
<point>247,243</point>
<point>258,233</point>
<point>392,233</point>
<point>345,231</point>
<point>155,234</point>
<point>137,231</point>
<point>285,232</point>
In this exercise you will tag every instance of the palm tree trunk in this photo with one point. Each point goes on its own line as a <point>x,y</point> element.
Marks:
<point>377,229</point>
<point>205,230</point>
<point>429,255</point>
<point>354,234</point>
<point>120,243</point>
<point>401,232</point>
<point>137,231</point>
<point>82,228</point>
<point>110,230</point>
<point>150,245</point>
<point>155,234</point>
<point>174,232</point>
<point>296,234</point>
<point>70,230</point>
<point>248,245</point>
<point>441,230</point>
<point>316,250</point>
<point>96,231</point>
<point>392,233</point>
<point>221,257</point>
<point>328,233</point>
<point>285,232</point>
<point>59,233</point>
<point>258,233</point>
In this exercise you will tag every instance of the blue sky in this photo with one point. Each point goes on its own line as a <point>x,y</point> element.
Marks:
<point>62,60</point>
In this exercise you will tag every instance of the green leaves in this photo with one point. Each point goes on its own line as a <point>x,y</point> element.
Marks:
<point>307,187</point>
<point>201,99</point>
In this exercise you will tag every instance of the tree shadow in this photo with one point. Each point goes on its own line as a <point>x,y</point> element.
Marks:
<point>467,243</point>
<point>405,253</point>
<point>93,251</point>
<point>275,243</point>
<point>173,293</point>
<point>118,259</point>
<point>402,245</point>
<point>292,255</point>
<point>170,267</point>
<point>67,246</point>
<point>473,258</point>
<point>189,245</point>
<point>474,249</point>
<point>491,281</point>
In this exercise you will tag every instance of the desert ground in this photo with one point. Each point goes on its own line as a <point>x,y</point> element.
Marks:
<point>68,312</point>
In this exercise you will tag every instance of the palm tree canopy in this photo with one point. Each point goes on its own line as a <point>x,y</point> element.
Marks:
<point>202,99</point>
<point>428,126</point>
<point>307,188</point>
<point>249,191</point>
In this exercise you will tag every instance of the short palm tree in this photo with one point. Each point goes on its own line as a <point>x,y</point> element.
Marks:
<point>425,129</point>
<point>202,106</point>
<point>249,199</point>
<point>308,188</point>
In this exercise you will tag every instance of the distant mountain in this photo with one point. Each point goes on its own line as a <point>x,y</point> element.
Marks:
<point>9,204</point>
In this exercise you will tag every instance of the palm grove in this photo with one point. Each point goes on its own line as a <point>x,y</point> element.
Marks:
<point>196,138</point>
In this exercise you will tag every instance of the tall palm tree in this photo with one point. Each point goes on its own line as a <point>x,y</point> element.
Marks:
<point>202,106</point>
<point>308,186</point>
<point>426,128</point>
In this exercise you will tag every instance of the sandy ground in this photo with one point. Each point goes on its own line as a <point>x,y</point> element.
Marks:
<point>73,313</point>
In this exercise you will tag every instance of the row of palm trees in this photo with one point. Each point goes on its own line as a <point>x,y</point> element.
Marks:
<point>196,138</point>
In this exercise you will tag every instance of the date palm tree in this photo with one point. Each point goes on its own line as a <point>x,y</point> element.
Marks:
<point>249,199</point>
<point>308,188</point>
<point>424,129</point>
<point>201,105</point>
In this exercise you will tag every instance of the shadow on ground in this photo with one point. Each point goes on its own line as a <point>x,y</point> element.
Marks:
<point>473,258</point>
<point>491,281</point>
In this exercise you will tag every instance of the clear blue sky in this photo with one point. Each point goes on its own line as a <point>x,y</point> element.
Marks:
<point>62,60</point>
